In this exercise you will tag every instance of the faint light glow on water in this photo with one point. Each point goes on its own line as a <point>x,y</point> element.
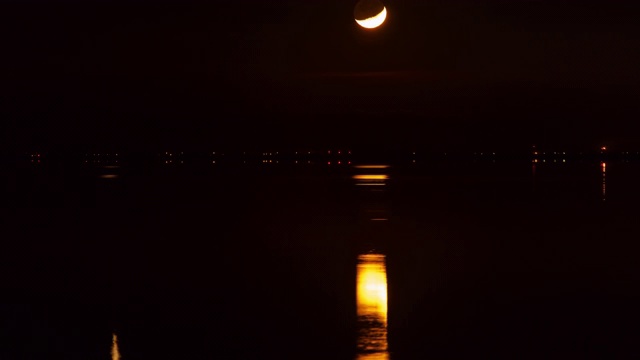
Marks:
<point>533,176</point>
<point>604,180</point>
<point>371,299</point>
<point>371,166</point>
<point>115,352</point>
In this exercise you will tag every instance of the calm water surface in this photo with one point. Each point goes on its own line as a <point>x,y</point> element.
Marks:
<point>457,261</point>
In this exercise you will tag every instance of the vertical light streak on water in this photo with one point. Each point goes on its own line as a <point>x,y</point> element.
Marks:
<point>115,352</point>
<point>604,181</point>
<point>371,299</point>
<point>533,175</point>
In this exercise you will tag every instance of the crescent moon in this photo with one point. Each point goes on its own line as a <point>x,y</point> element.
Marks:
<point>374,21</point>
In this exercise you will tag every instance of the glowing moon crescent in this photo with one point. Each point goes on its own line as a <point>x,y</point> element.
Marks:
<point>374,21</point>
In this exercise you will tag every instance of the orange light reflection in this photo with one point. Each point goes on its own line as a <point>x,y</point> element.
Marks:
<point>115,352</point>
<point>371,298</point>
<point>371,177</point>
<point>374,356</point>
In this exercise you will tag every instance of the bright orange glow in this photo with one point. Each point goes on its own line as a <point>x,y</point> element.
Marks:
<point>371,166</point>
<point>371,298</point>
<point>373,356</point>
<point>371,177</point>
<point>604,167</point>
<point>371,184</point>
<point>372,286</point>
<point>115,352</point>
<point>603,148</point>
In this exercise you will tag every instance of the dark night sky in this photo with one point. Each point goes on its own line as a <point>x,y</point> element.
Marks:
<point>499,74</point>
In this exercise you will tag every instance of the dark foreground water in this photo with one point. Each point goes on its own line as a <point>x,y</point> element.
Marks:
<point>457,261</point>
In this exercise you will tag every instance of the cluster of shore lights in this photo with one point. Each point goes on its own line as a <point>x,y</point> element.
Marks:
<point>100,158</point>
<point>338,157</point>
<point>35,158</point>
<point>544,161</point>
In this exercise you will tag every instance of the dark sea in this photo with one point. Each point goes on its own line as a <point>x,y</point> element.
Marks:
<point>442,260</point>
